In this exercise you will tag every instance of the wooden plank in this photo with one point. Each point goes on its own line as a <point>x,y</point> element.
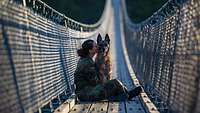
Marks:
<point>134,106</point>
<point>81,108</point>
<point>100,107</point>
<point>116,107</point>
<point>149,106</point>
<point>66,106</point>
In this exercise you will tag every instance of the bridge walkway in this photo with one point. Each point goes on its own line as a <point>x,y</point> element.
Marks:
<point>120,71</point>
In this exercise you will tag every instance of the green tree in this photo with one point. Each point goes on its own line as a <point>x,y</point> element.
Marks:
<point>85,11</point>
<point>139,10</point>
<point>90,11</point>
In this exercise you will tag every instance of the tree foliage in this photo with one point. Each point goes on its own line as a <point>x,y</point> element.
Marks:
<point>139,10</point>
<point>89,11</point>
<point>85,11</point>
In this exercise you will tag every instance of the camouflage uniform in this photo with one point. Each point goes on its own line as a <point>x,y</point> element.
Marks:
<point>90,88</point>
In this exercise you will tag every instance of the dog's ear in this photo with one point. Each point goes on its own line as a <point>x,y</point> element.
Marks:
<point>99,38</point>
<point>107,38</point>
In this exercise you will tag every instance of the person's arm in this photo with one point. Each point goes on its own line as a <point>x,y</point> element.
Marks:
<point>90,72</point>
<point>92,76</point>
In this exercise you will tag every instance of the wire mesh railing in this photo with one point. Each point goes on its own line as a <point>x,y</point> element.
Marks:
<point>165,54</point>
<point>38,55</point>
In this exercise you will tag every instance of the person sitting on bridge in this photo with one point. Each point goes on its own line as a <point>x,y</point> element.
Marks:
<point>88,85</point>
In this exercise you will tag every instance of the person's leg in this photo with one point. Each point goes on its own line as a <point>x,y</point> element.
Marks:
<point>115,90</point>
<point>111,90</point>
<point>134,92</point>
<point>97,93</point>
<point>84,94</point>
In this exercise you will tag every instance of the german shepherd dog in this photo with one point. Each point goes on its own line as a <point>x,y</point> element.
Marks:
<point>103,60</point>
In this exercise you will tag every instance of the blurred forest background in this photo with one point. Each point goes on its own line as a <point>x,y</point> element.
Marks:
<point>89,11</point>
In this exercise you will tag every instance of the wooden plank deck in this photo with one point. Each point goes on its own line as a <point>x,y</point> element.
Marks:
<point>81,108</point>
<point>133,106</point>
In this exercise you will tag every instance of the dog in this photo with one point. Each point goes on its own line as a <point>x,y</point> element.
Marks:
<point>103,60</point>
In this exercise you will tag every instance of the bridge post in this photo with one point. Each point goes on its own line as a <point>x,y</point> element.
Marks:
<point>65,24</point>
<point>24,3</point>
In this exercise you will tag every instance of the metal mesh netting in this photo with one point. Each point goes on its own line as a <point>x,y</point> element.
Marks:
<point>38,56</point>
<point>37,59</point>
<point>165,54</point>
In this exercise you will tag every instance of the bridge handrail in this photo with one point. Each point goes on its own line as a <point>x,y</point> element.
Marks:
<point>167,10</point>
<point>42,8</point>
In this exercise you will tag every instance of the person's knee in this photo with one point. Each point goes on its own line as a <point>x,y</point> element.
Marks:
<point>115,80</point>
<point>119,83</point>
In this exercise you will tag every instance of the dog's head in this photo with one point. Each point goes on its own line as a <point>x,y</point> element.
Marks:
<point>103,45</point>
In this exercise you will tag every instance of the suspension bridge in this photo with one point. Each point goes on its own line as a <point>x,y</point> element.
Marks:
<point>38,58</point>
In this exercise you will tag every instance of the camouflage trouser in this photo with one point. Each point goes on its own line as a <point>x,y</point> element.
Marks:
<point>112,90</point>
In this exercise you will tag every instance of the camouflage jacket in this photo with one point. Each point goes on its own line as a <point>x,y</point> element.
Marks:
<point>86,74</point>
